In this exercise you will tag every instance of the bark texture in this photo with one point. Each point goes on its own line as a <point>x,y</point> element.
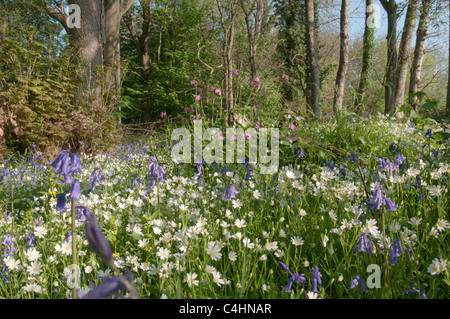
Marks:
<point>343,58</point>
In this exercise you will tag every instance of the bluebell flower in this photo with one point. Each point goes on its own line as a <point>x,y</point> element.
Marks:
<point>5,275</point>
<point>8,246</point>
<point>355,282</point>
<point>423,294</point>
<point>363,285</point>
<point>156,172</point>
<point>395,251</point>
<point>353,157</point>
<point>229,192</point>
<point>393,147</point>
<point>108,288</point>
<point>418,186</point>
<point>412,291</point>
<point>76,165</point>
<point>399,158</point>
<point>82,210</point>
<point>75,193</point>
<point>390,205</point>
<point>362,243</point>
<point>30,241</point>
<point>96,240</point>
<point>284,267</point>
<point>96,178</point>
<point>61,202</point>
<point>377,201</point>
<point>6,172</point>
<point>330,164</point>
<point>61,163</point>
<point>316,278</point>
<point>298,278</point>
<point>224,169</point>
<point>68,236</point>
<point>199,174</point>
<point>429,134</point>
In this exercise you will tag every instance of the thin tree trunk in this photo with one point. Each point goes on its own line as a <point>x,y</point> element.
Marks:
<point>343,58</point>
<point>314,81</point>
<point>142,44</point>
<point>368,54</point>
<point>404,52</point>
<point>229,32</point>
<point>391,65</point>
<point>419,53</point>
<point>112,45</point>
<point>251,48</point>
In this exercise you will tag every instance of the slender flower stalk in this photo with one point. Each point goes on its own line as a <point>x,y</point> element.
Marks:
<point>74,247</point>
<point>66,165</point>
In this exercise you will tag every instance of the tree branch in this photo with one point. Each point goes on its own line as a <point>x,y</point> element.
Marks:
<point>125,6</point>
<point>130,26</point>
<point>59,14</point>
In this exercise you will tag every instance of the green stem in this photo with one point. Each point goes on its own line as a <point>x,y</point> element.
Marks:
<point>74,248</point>
<point>385,251</point>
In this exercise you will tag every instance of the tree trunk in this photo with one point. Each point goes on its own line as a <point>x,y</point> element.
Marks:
<point>251,47</point>
<point>142,44</point>
<point>343,58</point>
<point>112,44</point>
<point>368,54</point>
<point>404,52</point>
<point>314,81</point>
<point>419,53</point>
<point>228,27</point>
<point>86,40</point>
<point>99,22</point>
<point>389,96</point>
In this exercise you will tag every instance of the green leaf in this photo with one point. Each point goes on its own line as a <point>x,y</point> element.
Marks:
<point>111,237</point>
<point>362,140</point>
<point>428,106</point>
<point>413,114</point>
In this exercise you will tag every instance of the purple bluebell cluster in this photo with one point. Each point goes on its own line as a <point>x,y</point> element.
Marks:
<point>411,290</point>
<point>199,174</point>
<point>352,157</point>
<point>230,192</point>
<point>429,134</point>
<point>66,165</point>
<point>316,278</point>
<point>392,167</point>
<point>418,186</point>
<point>378,199</point>
<point>30,241</point>
<point>97,178</point>
<point>156,172</point>
<point>8,246</point>
<point>364,245</point>
<point>395,251</point>
<point>295,277</point>
<point>358,281</point>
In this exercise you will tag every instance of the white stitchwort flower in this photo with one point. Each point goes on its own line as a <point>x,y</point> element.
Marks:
<point>190,279</point>
<point>35,268</point>
<point>163,253</point>
<point>297,241</point>
<point>437,266</point>
<point>213,250</point>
